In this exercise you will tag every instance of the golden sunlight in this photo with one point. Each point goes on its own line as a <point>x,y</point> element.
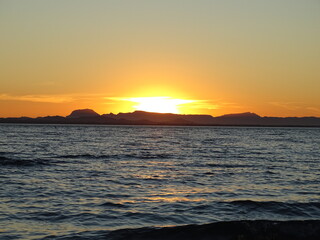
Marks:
<point>159,104</point>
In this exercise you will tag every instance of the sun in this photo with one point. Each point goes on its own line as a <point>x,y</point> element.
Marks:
<point>158,104</point>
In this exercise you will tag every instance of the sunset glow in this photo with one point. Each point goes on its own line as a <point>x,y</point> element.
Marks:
<point>159,104</point>
<point>168,116</point>
<point>255,56</point>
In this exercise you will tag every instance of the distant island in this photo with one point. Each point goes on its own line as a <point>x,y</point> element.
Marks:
<point>89,116</point>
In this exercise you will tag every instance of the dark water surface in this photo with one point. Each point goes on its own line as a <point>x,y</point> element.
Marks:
<point>59,180</point>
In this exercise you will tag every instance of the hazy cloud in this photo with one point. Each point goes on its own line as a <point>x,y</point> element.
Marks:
<point>314,109</point>
<point>37,98</point>
<point>297,106</point>
<point>287,105</point>
<point>54,98</point>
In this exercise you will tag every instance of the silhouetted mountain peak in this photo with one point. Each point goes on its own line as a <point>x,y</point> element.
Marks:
<point>139,112</point>
<point>241,115</point>
<point>165,118</point>
<point>80,113</point>
<point>88,116</point>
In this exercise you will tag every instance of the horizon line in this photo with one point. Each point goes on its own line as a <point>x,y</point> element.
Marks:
<point>160,113</point>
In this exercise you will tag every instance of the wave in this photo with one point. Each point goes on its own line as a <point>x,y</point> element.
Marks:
<point>304,210</point>
<point>86,156</point>
<point>150,156</point>
<point>226,165</point>
<point>232,230</point>
<point>5,161</point>
<point>250,203</point>
<point>117,156</point>
<point>271,210</point>
<point>63,216</point>
<point>113,205</point>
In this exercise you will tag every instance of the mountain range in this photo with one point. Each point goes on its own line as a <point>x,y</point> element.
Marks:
<point>88,116</point>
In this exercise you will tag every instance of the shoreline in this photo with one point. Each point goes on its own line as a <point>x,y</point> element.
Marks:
<point>159,124</point>
<point>225,230</point>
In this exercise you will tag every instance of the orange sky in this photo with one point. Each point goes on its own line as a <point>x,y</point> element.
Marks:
<point>222,56</point>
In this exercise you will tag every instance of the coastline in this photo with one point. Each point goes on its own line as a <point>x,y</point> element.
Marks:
<point>229,230</point>
<point>247,119</point>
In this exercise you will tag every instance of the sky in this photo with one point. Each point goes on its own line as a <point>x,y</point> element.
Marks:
<point>209,56</point>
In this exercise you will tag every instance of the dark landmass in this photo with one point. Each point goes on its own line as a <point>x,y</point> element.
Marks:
<point>88,116</point>
<point>233,230</point>
<point>238,230</point>
<point>83,113</point>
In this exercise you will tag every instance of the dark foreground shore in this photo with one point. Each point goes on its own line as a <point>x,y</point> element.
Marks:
<point>238,230</point>
<point>234,230</point>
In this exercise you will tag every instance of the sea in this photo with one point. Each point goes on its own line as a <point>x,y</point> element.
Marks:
<point>87,181</point>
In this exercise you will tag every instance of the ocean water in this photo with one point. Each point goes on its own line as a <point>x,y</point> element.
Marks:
<point>59,181</point>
